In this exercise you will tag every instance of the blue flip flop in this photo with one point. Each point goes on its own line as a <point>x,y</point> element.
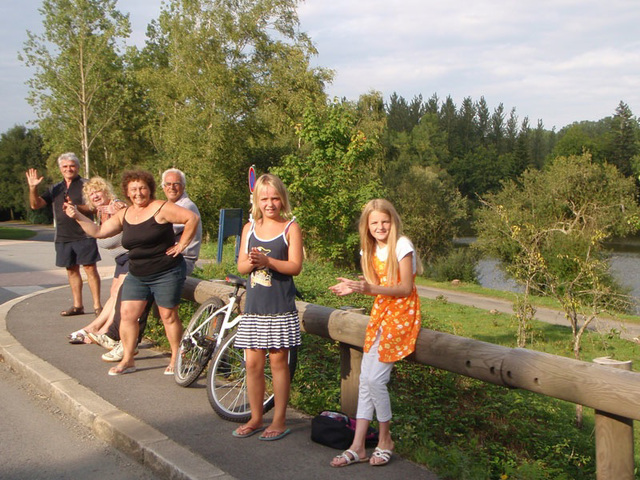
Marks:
<point>276,437</point>
<point>252,431</point>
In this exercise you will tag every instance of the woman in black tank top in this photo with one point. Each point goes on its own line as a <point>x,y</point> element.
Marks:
<point>156,266</point>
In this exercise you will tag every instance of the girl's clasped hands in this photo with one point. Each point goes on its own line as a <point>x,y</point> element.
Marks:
<point>347,287</point>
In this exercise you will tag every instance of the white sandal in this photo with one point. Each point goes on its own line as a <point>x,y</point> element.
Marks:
<point>350,457</point>
<point>78,337</point>
<point>384,455</point>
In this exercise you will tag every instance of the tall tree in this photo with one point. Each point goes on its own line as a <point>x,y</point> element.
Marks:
<point>226,82</point>
<point>448,121</point>
<point>330,178</point>
<point>77,88</point>
<point>576,139</point>
<point>623,140</point>
<point>496,133</point>
<point>521,151</point>
<point>511,132</point>
<point>430,205</point>
<point>483,120</point>
<point>398,114</point>
<point>467,126</point>
<point>539,145</point>
<point>549,231</point>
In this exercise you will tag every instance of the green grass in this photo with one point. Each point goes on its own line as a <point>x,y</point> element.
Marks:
<point>537,301</point>
<point>11,233</point>
<point>458,427</point>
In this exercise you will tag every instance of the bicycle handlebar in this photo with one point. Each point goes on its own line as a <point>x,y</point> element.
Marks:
<point>236,280</point>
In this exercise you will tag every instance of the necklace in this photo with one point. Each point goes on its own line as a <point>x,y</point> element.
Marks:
<point>138,214</point>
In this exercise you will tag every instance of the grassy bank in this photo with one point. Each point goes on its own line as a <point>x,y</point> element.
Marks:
<point>11,233</point>
<point>458,427</point>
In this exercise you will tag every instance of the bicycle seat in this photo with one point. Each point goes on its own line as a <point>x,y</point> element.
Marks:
<point>236,280</point>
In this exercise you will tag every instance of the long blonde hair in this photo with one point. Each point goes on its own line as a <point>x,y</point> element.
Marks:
<point>368,243</point>
<point>269,180</point>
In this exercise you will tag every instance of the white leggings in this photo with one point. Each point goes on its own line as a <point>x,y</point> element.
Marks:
<point>372,393</point>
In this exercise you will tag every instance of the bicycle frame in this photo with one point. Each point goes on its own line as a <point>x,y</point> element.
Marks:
<point>227,324</point>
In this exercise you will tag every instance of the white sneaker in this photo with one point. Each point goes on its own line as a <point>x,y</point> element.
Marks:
<point>116,354</point>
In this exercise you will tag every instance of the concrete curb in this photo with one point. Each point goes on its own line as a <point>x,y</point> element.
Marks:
<point>119,429</point>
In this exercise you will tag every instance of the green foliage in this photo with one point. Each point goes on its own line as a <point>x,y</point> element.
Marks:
<point>330,179</point>
<point>20,149</point>
<point>623,140</point>
<point>458,264</point>
<point>550,229</point>
<point>430,206</point>
<point>42,216</point>
<point>578,138</point>
<point>225,82</point>
<point>77,88</point>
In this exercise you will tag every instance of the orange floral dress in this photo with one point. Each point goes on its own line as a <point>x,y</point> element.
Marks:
<point>398,317</point>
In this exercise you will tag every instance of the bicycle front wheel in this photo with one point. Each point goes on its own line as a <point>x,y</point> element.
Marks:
<point>198,342</point>
<point>227,382</point>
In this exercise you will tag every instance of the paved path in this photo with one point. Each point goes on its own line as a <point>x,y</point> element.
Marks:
<point>29,266</point>
<point>627,331</point>
<point>172,430</point>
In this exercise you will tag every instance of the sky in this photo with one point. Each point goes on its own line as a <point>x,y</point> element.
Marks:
<point>558,61</point>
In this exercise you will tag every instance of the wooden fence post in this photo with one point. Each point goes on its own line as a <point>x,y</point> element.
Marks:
<point>614,438</point>
<point>350,360</point>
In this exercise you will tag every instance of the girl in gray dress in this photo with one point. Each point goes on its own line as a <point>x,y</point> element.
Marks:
<point>271,254</point>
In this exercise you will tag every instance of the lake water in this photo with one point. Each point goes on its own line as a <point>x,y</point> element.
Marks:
<point>624,259</point>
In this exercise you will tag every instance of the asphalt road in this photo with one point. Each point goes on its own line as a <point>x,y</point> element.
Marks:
<point>40,442</point>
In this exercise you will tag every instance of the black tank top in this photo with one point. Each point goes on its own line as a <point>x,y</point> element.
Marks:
<point>147,243</point>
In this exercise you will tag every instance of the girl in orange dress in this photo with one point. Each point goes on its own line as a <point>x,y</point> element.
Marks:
<point>389,264</point>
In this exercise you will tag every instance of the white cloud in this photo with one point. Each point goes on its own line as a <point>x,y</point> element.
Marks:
<point>557,60</point>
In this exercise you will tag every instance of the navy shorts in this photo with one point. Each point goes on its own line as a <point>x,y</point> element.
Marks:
<point>78,252</point>
<point>122,265</point>
<point>166,287</point>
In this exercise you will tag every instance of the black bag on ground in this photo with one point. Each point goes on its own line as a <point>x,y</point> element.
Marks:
<point>336,430</point>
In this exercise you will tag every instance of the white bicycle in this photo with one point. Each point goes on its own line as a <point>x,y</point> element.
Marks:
<point>208,340</point>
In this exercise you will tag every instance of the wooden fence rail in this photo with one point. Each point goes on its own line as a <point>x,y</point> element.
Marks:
<point>612,392</point>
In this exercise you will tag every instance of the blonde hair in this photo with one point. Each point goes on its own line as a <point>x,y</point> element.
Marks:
<point>368,244</point>
<point>97,184</point>
<point>269,180</point>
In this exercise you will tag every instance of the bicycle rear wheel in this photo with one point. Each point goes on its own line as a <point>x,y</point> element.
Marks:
<point>227,383</point>
<point>198,342</point>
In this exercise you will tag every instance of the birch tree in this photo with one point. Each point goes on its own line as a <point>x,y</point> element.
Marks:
<point>77,88</point>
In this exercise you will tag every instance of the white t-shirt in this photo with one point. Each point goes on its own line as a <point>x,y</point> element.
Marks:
<point>403,248</point>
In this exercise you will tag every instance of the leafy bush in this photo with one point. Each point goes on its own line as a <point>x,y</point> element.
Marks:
<point>459,264</point>
<point>42,216</point>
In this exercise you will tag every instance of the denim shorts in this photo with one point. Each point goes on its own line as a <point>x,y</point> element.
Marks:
<point>166,286</point>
